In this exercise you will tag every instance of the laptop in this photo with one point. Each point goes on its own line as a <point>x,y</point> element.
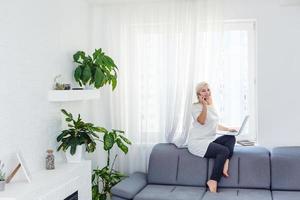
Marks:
<point>237,132</point>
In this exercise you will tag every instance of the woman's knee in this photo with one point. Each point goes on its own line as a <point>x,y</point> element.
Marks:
<point>232,138</point>
<point>224,151</point>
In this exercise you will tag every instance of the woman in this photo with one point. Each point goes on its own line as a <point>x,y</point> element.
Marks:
<point>202,135</point>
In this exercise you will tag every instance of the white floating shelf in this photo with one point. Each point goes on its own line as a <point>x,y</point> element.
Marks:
<point>72,95</point>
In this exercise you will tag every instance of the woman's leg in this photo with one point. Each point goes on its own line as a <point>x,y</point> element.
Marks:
<point>229,142</point>
<point>220,153</point>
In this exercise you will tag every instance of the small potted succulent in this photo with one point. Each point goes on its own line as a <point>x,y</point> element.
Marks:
<point>96,70</point>
<point>79,135</point>
<point>2,177</point>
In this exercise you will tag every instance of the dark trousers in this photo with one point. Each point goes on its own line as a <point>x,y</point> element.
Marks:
<point>221,149</point>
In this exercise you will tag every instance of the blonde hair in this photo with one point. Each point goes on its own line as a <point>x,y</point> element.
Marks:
<point>200,85</point>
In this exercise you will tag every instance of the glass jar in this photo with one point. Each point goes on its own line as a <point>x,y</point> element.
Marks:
<point>50,160</point>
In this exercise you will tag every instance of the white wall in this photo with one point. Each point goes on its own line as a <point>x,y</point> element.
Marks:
<point>37,41</point>
<point>278,67</point>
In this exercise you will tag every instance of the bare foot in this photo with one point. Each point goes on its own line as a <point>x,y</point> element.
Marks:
<point>212,185</point>
<point>225,169</point>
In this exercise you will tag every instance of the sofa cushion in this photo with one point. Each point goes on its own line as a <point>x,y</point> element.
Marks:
<point>232,180</point>
<point>171,165</point>
<point>238,194</point>
<point>285,162</point>
<point>130,186</point>
<point>163,164</point>
<point>192,170</point>
<point>286,195</point>
<point>249,167</point>
<point>170,192</point>
<point>117,198</point>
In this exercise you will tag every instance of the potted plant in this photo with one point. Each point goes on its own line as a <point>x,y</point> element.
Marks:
<point>79,135</point>
<point>97,70</point>
<point>2,177</point>
<point>107,176</point>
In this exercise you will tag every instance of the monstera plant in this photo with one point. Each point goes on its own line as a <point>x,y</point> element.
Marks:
<point>97,70</point>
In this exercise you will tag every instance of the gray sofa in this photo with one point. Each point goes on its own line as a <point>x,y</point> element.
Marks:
<point>176,174</point>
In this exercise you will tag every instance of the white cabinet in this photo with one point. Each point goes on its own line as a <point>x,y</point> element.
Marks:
<point>54,184</point>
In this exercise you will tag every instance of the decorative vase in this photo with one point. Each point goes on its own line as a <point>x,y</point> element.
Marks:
<point>2,185</point>
<point>76,158</point>
<point>50,160</point>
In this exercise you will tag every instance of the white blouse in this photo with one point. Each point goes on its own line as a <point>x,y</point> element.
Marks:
<point>201,135</point>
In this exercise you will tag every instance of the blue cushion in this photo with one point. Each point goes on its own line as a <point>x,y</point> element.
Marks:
<point>238,194</point>
<point>171,165</point>
<point>130,186</point>
<point>286,195</point>
<point>168,192</point>
<point>249,167</point>
<point>232,180</point>
<point>163,164</point>
<point>285,168</point>
<point>192,170</point>
<point>117,198</point>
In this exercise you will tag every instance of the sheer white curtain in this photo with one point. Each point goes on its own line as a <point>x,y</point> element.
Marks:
<point>162,48</point>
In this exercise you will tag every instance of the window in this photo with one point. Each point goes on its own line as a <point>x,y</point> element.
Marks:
<point>233,80</point>
<point>236,83</point>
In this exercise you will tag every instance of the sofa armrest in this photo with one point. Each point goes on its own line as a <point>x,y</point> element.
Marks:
<point>130,186</point>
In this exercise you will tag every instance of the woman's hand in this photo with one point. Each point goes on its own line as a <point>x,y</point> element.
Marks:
<point>202,100</point>
<point>232,130</point>
<point>209,100</point>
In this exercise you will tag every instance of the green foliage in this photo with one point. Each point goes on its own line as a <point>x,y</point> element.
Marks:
<point>107,176</point>
<point>78,133</point>
<point>2,174</point>
<point>98,69</point>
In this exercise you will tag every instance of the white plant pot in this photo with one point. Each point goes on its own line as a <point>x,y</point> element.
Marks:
<point>89,87</point>
<point>2,185</point>
<point>77,157</point>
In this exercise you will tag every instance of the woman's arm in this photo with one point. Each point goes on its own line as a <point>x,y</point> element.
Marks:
<point>223,128</point>
<point>202,117</point>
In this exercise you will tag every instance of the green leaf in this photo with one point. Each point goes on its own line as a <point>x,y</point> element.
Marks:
<point>119,131</point>
<point>73,149</point>
<point>97,53</point>
<point>125,139</point>
<point>62,135</point>
<point>77,74</point>
<point>114,83</point>
<point>86,74</point>
<point>79,57</point>
<point>108,141</point>
<point>68,119</point>
<point>98,77</point>
<point>111,61</point>
<point>100,129</point>
<point>65,112</point>
<point>121,145</point>
<point>60,146</point>
<point>94,134</point>
<point>69,115</point>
